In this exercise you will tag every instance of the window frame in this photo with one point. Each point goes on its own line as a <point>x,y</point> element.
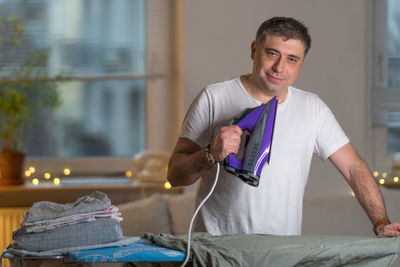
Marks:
<point>380,96</point>
<point>164,91</point>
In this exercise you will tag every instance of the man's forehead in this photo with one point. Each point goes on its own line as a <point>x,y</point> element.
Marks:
<point>284,45</point>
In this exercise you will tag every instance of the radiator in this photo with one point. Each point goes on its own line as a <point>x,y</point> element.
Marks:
<point>10,219</point>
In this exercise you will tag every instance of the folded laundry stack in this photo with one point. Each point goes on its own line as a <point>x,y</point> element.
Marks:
<point>90,220</point>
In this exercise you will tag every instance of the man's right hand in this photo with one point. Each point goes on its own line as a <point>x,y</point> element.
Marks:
<point>188,161</point>
<point>227,141</point>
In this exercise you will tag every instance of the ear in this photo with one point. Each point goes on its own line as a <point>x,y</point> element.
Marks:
<point>253,49</point>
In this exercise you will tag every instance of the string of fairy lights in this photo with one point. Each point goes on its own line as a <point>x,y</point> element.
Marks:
<point>383,178</point>
<point>30,173</point>
<point>36,178</point>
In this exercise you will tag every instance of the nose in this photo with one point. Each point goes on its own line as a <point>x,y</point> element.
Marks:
<point>278,65</point>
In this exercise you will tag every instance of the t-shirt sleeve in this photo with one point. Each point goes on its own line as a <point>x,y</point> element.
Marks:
<point>329,136</point>
<point>197,121</point>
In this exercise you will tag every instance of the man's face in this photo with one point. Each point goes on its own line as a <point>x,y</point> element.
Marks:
<point>276,63</point>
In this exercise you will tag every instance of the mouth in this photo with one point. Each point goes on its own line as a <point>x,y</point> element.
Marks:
<point>274,78</point>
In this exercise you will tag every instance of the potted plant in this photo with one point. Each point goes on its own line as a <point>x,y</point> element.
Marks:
<point>24,91</point>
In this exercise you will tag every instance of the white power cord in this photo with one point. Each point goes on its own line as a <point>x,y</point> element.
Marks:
<point>194,216</point>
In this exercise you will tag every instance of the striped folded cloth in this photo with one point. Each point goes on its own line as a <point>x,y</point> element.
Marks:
<point>44,225</point>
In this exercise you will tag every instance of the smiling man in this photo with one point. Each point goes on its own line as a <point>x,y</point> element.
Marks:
<point>304,127</point>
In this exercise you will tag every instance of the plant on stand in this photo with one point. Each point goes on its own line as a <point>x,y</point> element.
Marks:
<point>25,89</point>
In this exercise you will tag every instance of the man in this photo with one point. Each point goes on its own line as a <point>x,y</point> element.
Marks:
<point>304,126</point>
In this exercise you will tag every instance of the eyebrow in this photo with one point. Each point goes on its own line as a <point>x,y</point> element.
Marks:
<point>277,51</point>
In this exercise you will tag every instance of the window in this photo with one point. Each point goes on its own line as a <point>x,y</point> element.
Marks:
<point>121,97</point>
<point>385,83</point>
<point>95,42</point>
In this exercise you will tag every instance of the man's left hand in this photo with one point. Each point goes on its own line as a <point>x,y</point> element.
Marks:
<point>389,230</point>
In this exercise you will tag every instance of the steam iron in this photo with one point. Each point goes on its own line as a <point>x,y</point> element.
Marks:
<point>255,147</point>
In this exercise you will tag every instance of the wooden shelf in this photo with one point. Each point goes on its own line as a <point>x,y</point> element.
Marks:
<point>389,184</point>
<point>26,195</point>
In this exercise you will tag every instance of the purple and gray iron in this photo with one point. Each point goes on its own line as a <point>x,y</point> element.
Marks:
<point>255,147</point>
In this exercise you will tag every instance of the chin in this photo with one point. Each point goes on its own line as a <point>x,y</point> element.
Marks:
<point>274,90</point>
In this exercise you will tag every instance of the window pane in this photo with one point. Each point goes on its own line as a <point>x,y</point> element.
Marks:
<point>89,38</point>
<point>393,43</point>
<point>393,140</point>
<point>393,132</point>
<point>95,119</point>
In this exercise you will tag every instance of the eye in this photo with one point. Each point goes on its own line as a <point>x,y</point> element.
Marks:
<point>272,54</point>
<point>293,60</point>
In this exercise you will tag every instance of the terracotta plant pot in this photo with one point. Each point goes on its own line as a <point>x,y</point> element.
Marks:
<point>11,168</point>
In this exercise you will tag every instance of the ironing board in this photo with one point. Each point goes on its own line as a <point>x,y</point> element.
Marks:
<point>229,250</point>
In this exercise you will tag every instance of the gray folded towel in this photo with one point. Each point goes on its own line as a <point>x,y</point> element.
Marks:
<point>100,231</point>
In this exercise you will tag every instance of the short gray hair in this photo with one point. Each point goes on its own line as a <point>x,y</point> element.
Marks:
<point>289,28</point>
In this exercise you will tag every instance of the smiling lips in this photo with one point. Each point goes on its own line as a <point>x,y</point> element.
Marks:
<point>274,78</point>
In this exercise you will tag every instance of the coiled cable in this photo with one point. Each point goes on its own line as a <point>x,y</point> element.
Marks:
<point>195,214</point>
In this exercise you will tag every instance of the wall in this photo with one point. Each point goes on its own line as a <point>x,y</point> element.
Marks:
<point>217,37</point>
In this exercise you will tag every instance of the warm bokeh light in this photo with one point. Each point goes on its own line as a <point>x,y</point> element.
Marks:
<point>35,181</point>
<point>384,175</point>
<point>67,171</point>
<point>47,176</point>
<point>352,193</point>
<point>56,181</point>
<point>381,181</point>
<point>375,173</point>
<point>128,174</point>
<point>27,173</point>
<point>167,185</point>
<point>32,169</point>
<point>396,179</point>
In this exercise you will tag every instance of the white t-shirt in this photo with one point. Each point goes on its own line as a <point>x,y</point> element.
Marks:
<point>304,126</point>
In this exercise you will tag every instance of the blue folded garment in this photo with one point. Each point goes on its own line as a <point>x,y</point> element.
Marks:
<point>139,251</point>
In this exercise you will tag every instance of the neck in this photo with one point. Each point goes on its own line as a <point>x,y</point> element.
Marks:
<point>259,93</point>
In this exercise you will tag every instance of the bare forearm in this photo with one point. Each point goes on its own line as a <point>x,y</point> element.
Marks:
<point>367,191</point>
<point>186,169</point>
<point>365,188</point>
